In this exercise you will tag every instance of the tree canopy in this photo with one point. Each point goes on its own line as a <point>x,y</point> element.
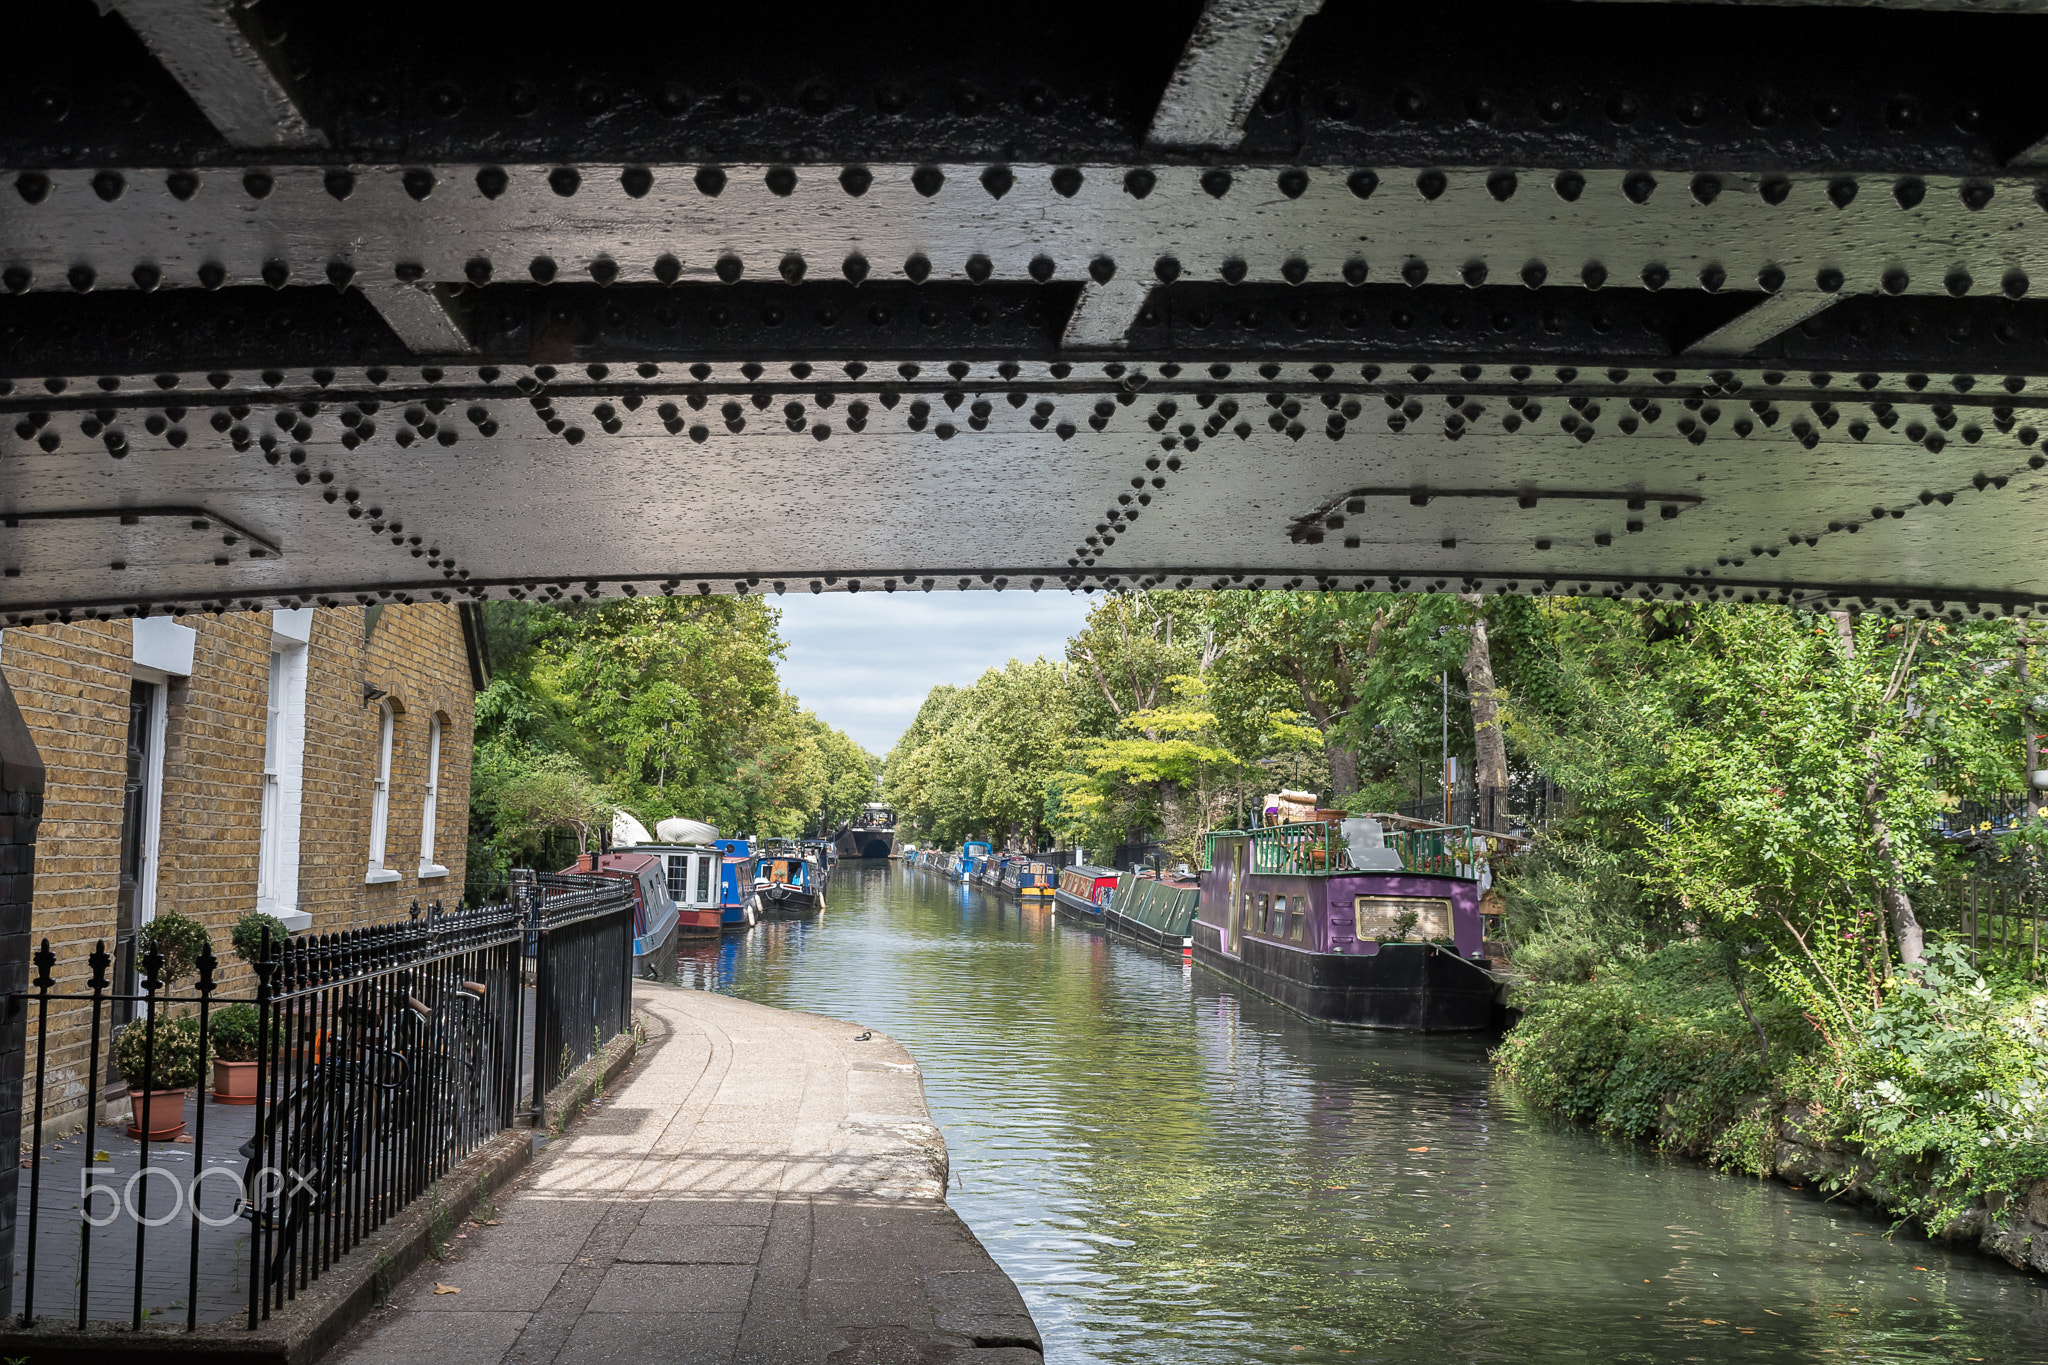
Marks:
<point>661,706</point>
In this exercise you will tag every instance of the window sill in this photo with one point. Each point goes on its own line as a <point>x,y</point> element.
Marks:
<point>298,921</point>
<point>379,875</point>
<point>429,871</point>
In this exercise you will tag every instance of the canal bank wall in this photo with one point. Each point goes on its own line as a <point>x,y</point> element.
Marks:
<point>759,1186</point>
<point>2015,1231</point>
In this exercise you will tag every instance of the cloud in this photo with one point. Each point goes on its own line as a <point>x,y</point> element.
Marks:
<point>864,663</point>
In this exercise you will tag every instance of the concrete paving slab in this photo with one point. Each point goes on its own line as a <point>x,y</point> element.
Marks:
<point>485,1287</point>
<point>638,1338</point>
<point>697,1244</point>
<point>443,1338</point>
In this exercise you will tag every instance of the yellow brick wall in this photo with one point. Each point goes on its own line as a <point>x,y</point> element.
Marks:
<point>72,683</point>
<point>416,656</point>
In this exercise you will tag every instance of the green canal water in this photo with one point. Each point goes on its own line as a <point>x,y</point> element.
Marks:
<point>1172,1169</point>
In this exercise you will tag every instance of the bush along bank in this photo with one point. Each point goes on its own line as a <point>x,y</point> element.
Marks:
<point>1930,1103</point>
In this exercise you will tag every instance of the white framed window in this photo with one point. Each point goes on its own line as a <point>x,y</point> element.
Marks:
<point>428,867</point>
<point>380,798</point>
<point>284,769</point>
<point>150,830</point>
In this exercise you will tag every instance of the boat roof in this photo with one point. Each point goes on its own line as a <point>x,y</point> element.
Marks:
<point>616,861</point>
<point>1090,870</point>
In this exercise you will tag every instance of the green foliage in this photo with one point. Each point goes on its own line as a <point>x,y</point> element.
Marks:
<point>658,705</point>
<point>233,1031</point>
<point>248,932</point>
<point>1949,1081</point>
<point>1574,904</point>
<point>174,1059</point>
<point>1657,1048</point>
<point>976,761</point>
<point>179,938</point>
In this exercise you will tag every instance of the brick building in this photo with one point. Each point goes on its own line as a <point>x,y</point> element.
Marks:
<point>313,764</point>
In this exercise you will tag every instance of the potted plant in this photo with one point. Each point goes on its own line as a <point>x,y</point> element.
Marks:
<point>247,935</point>
<point>159,1071</point>
<point>180,938</point>
<point>234,1037</point>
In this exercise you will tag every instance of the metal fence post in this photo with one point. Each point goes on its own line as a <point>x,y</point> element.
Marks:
<point>21,814</point>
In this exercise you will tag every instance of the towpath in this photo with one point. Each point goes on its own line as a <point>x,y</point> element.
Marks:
<point>761,1186</point>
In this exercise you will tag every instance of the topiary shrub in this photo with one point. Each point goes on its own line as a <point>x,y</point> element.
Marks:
<point>248,934</point>
<point>234,1033</point>
<point>174,1060</point>
<point>180,938</point>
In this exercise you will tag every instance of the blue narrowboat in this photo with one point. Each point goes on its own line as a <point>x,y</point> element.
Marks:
<point>1023,877</point>
<point>972,858</point>
<point>736,897</point>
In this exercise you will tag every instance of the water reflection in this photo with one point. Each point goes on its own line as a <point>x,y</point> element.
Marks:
<point>1172,1170</point>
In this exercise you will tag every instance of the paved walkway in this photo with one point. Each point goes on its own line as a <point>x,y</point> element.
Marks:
<point>761,1186</point>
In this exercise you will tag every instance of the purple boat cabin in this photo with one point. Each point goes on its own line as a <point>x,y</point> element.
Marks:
<point>1344,922</point>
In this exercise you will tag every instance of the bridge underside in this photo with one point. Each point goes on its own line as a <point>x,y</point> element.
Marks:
<point>1656,299</point>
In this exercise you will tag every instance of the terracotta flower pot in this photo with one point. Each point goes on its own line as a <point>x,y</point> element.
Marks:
<point>234,1082</point>
<point>166,1114</point>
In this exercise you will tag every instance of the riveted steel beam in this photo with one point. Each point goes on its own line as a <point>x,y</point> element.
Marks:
<point>1232,54</point>
<point>217,51</point>
<point>178,228</point>
<point>1679,480</point>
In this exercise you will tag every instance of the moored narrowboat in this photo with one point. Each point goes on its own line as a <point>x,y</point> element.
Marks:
<point>737,903</point>
<point>655,919</point>
<point>789,885</point>
<point>1081,889</point>
<point>969,861</point>
<point>1344,922</point>
<point>1026,879</point>
<point>689,874</point>
<point>1159,910</point>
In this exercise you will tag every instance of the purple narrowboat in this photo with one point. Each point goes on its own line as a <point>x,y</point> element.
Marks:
<point>1343,922</point>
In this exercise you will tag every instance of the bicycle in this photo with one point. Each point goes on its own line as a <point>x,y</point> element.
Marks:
<point>347,1104</point>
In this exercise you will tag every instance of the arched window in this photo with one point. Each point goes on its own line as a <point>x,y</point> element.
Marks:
<point>380,799</point>
<point>428,867</point>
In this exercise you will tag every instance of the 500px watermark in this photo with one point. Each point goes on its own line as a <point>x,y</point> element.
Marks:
<point>270,1188</point>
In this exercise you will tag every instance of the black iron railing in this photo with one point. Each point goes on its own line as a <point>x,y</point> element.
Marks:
<point>1999,906</point>
<point>384,1056</point>
<point>1527,804</point>
<point>582,944</point>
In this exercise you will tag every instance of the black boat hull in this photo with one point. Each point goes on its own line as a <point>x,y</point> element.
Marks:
<point>1069,906</point>
<point>1404,986</point>
<point>1123,926</point>
<point>789,902</point>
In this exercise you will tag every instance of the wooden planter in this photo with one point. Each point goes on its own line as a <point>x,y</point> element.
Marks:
<point>234,1082</point>
<point>166,1114</point>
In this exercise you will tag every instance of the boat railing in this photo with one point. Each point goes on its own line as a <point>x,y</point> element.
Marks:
<point>1318,847</point>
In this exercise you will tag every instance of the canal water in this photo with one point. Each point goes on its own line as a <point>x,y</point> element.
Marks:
<point>1172,1169</point>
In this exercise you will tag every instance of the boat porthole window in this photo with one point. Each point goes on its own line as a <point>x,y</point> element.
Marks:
<point>1263,912</point>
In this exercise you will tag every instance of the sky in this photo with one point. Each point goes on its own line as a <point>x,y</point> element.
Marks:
<point>865,662</point>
